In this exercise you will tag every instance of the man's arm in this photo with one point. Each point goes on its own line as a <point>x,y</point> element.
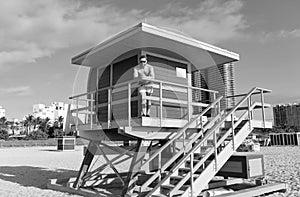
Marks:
<point>152,75</point>
<point>135,73</point>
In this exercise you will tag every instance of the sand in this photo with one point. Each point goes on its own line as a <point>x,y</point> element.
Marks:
<point>24,172</point>
<point>283,164</point>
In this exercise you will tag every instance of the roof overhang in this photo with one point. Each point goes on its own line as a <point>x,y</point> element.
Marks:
<point>147,36</point>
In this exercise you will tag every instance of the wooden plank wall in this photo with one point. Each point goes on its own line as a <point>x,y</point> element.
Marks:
<point>122,72</point>
<point>164,69</point>
<point>102,96</point>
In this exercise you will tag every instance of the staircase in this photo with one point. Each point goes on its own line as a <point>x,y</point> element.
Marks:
<point>190,170</point>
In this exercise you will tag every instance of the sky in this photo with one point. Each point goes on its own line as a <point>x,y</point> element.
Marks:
<point>39,38</point>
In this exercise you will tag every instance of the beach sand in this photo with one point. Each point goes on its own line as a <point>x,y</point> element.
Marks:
<point>25,172</point>
<point>283,164</point>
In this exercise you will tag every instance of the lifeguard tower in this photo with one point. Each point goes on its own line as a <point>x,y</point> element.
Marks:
<point>191,132</point>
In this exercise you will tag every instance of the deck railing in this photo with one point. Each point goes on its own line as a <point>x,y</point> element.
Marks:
<point>181,134</point>
<point>86,107</point>
<point>247,107</point>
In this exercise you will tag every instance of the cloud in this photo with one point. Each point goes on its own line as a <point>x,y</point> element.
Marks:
<point>33,29</point>
<point>282,34</point>
<point>17,91</point>
<point>289,34</point>
<point>212,21</point>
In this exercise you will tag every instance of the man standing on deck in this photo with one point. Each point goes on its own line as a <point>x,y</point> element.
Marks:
<point>144,71</point>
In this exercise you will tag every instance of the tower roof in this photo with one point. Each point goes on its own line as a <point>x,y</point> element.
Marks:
<point>147,36</point>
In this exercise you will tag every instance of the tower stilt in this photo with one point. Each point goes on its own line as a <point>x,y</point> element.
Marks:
<point>88,158</point>
<point>139,154</point>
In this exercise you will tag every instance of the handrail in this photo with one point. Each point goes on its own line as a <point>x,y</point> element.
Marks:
<point>90,105</point>
<point>83,94</point>
<point>225,135</point>
<point>240,95</point>
<point>136,81</point>
<point>166,165</point>
<point>186,126</point>
<point>181,85</point>
<point>198,145</point>
<point>207,126</point>
<point>211,132</point>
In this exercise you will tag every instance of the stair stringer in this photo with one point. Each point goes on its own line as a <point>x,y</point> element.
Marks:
<point>222,154</point>
<point>206,176</point>
<point>203,129</point>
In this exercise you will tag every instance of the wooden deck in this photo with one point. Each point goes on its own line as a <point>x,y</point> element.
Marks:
<point>144,127</point>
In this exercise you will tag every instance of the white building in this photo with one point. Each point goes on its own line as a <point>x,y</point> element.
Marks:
<point>55,110</point>
<point>2,112</point>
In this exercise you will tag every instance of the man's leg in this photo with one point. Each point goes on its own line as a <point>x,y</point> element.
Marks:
<point>149,92</point>
<point>142,91</point>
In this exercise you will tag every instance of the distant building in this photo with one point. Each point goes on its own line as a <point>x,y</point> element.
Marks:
<point>55,110</point>
<point>16,127</point>
<point>2,112</point>
<point>287,115</point>
<point>219,78</point>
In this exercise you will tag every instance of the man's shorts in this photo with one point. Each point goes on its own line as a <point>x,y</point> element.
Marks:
<point>148,89</point>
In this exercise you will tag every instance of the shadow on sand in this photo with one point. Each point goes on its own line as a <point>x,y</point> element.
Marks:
<point>38,177</point>
<point>33,176</point>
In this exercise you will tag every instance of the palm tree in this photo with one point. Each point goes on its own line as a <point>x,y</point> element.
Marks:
<point>13,126</point>
<point>44,124</point>
<point>3,122</point>
<point>60,122</point>
<point>3,128</point>
<point>28,122</point>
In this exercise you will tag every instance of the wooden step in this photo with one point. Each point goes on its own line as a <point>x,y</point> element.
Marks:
<point>205,149</point>
<point>210,142</point>
<point>188,162</point>
<point>174,180</point>
<point>185,170</point>
<point>228,125</point>
<point>159,195</point>
<point>165,189</point>
<point>198,156</point>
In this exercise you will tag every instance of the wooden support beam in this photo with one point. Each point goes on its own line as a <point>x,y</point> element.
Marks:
<point>136,163</point>
<point>111,165</point>
<point>114,161</point>
<point>86,163</point>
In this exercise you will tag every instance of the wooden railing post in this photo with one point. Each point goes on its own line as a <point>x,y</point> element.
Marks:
<point>201,126</point>
<point>191,174</point>
<point>189,103</point>
<point>263,107</point>
<point>109,113</point>
<point>232,127</point>
<point>215,110</point>
<point>215,148</point>
<point>86,116</point>
<point>91,113</point>
<point>159,165</point>
<point>249,112</point>
<point>129,104</point>
<point>77,114</point>
<point>250,100</point>
<point>183,142</point>
<point>160,104</point>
